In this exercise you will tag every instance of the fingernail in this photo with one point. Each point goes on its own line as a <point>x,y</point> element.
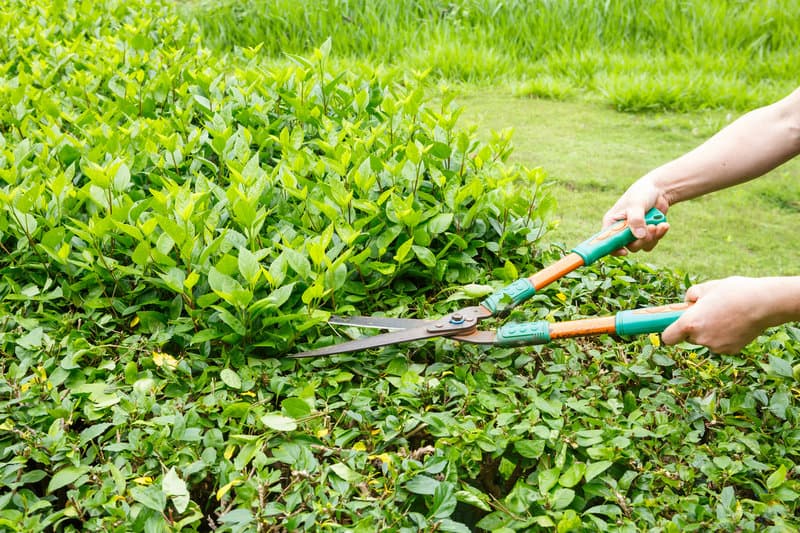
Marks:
<point>640,233</point>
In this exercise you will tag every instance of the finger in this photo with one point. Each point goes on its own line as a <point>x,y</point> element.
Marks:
<point>676,332</point>
<point>654,234</point>
<point>696,292</point>
<point>673,334</point>
<point>635,217</point>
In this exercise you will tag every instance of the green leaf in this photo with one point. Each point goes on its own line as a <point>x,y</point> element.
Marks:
<point>174,279</point>
<point>345,472</point>
<point>274,300</point>
<point>476,290</point>
<point>249,267</point>
<point>444,501</point>
<point>530,449</point>
<point>440,223</point>
<point>299,263</point>
<point>33,339</point>
<point>777,478</point>
<point>562,498</point>
<point>548,479</point>
<point>279,422</point>
<point>93,431</point>
<point>728,497</point>
<point>510,270</point>
<point>570,521</point>
<point>494,521</point>
<point>425,256</point>
<point>472,496</point>
<point>779,403</point>
<point>315,290</point>
<point>785,494</point>
<point>227,317</point>
<point>781,367</point>
<point>572,475</point>
<point>202,101</point>
<point>122,178</point>
<point>141,254</point>
<point>402,251</point>
<point>150,496</point>
<point>296,407</point>
<point>280,296</point>
<point>595,469</point>
<point>550,407</point>
<point>175,488</point>
<point>230,378</point>
<point>421,484</point>
<point>228,288</point>
<point>447,525</point>
<point>413,152</point>
<point>605,510</point>
<point>237,517</point>
<point>67,476</point>
<point>325,48</point>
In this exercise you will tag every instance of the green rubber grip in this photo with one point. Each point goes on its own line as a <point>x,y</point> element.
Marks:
<point>638,321</point>
<point>514,294</point>
<point>612,238</point>
<point>523,333</point>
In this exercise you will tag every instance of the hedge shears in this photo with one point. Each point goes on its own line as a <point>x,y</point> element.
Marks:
<point>462,325</point>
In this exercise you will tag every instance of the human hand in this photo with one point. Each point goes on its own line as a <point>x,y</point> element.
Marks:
<point>727,314</point>
<point>632,206</point>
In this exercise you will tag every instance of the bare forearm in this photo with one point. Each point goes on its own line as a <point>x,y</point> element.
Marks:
<point>782,295</point>
<point>749,147</point>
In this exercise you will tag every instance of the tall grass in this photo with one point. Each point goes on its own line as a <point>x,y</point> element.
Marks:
<point>615,49</point>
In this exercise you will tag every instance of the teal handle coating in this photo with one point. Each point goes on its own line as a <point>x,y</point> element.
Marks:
<point>638,321</point>
<point>510,295</point>
<point>612,238</point>
<point>523,333</point>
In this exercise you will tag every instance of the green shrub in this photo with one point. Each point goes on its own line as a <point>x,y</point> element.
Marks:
<point>171,221</point>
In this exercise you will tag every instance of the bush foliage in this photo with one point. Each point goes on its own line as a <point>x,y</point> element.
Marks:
<point>175,222</point>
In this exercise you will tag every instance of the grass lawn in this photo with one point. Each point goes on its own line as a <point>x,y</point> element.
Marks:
<point>592,153</point>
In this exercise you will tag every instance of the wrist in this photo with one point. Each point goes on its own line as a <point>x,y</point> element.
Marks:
<point>661,181</point>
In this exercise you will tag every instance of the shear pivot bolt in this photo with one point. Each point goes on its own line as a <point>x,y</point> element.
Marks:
<point>457,318</point>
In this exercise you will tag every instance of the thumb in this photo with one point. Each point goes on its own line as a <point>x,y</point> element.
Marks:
<point>681,329</point>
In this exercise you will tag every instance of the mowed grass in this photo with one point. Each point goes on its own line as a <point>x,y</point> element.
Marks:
<point>592,153</point>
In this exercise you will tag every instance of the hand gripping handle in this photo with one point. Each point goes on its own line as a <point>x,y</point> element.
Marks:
<point>614,237</point>
<point>601,244</point>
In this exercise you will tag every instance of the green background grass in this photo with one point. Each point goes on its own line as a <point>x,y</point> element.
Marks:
<point>636,54</point>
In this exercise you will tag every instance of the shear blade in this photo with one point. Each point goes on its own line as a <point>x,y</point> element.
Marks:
<point>375,341</point>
